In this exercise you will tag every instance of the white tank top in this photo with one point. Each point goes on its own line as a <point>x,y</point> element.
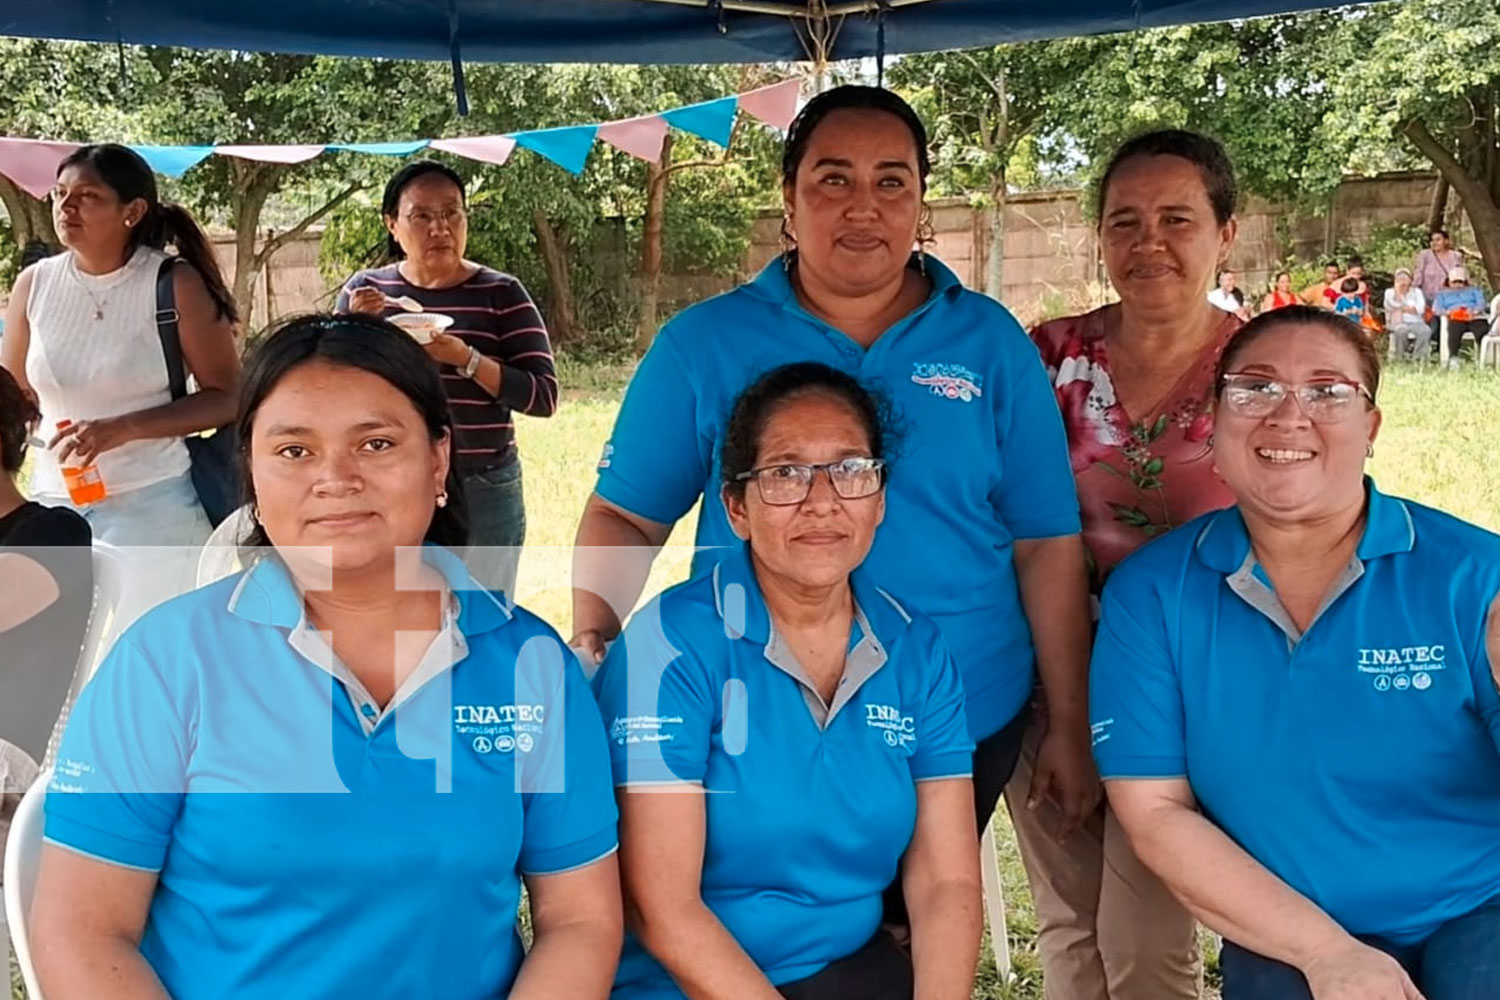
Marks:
<point>84,367</point>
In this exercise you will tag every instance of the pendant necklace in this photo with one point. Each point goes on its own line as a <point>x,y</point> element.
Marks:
<point>99,303</point>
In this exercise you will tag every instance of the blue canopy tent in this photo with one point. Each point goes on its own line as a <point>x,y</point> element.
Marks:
<point>635,31</point>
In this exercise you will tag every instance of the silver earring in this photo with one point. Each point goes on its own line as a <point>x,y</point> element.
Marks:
<point>442,498</point>
<point>1370,450</point>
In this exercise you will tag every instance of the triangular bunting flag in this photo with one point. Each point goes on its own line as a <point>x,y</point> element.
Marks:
<point>711,120</point>
<point>640,137</point>
<point>567,147</point>
<point>494,149</point>
<point>174,161</point>
<point>775,105</point>
<point>32,163</point>
<point>271,154</point>
<point>384,148</point>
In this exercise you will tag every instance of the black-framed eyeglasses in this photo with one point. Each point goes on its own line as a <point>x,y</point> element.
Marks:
<point>1325,401</point>
<point>784,485</point>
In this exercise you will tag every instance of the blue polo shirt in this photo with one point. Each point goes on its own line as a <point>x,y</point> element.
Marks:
<point>809,806</point>
<point>982,459</point>
<point>1360,761</point>
<point>308,843</point>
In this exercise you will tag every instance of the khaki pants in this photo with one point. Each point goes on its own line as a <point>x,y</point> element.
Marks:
<point>1108,928</point>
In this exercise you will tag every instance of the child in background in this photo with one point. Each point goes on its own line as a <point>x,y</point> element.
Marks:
<point>1349,303</point>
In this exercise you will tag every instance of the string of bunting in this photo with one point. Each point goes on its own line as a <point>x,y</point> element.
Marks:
<point>32,163</point>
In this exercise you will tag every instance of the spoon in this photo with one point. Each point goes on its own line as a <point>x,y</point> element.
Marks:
<point>406,302</point>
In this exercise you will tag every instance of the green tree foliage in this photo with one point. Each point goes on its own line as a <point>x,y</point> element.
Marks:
<point>1297,100</point>
<point>53,90</point>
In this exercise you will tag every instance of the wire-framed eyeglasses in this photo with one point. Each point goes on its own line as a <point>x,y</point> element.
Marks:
<point>1324,401</point>
<point>787,484</point>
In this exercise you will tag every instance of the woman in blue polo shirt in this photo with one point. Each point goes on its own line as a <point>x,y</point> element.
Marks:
<point>1295,712</point>
<point>983,528</point>
<point>809,729</point>
<point>405,749</point>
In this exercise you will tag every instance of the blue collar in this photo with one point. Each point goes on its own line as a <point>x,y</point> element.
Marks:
<point>267,595</point>
<point>738,600</point>
<point>774,282</point>
<point>1224,543</point>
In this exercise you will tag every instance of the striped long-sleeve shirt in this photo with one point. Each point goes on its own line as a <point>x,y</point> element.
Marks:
<point>493,314</point>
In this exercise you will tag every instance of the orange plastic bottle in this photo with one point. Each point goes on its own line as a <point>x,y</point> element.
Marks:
<point>83,482</point>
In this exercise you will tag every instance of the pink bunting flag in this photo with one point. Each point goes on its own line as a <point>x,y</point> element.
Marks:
<point>271,154</point>
<point>775,105</point>
<point>494,149</point>
<point>640,137</point>
<point>32,163</point>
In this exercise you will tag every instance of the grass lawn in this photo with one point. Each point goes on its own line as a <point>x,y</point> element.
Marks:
<point>1440,445</point>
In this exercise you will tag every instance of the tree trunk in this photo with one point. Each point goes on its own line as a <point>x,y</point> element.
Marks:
<point>1474,191</point>
<point>657,178</point>
<point>562,315</point>
<point>253,185</point>
<point>994,278</point>
<point>1437,209</point>
<point>30,218</point>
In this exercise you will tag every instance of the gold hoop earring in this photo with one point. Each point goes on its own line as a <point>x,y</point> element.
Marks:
<point>1370,450</point>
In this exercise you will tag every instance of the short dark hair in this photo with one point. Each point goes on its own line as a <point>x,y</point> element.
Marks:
<point>17,416</point>
<point>1438,232</point>
<point>1353,262</point>
<point>1203,152</point>
<point>1349,285</point>
<point>1304,316</point>
<point>390,201</point>
<point>1331,263</point>
<point>755,406</point>
<point>858,98</point>
<point>366,343</point>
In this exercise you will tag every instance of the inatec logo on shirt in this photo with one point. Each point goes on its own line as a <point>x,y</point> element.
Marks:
<point>1402,668</point>
<point>499,728</point>
<point>948,381</point>
<point>896,729</point>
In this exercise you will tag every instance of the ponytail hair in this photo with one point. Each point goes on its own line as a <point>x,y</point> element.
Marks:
<point>169,223</point>
<point>125,172</point>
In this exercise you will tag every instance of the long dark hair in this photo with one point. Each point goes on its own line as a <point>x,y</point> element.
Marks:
<point>124,171</point>
<point>367,344</point>
<point>390,202</point>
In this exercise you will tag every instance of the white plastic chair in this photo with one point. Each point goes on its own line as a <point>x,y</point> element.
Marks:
<point>221,553</point>
<point>1489,347</point>
<point>1489,350</point>
<point>23,854</point>
<point>994,903</point>
<point>109,590</point>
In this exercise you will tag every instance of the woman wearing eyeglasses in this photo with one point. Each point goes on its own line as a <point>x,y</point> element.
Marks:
<point>1295,699</point>
<point>496,358</point>
<point>788,738</point>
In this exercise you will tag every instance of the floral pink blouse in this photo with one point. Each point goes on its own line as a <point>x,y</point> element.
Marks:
<point>1137,476</point>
